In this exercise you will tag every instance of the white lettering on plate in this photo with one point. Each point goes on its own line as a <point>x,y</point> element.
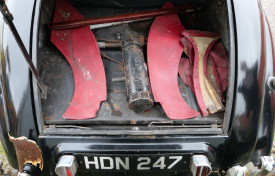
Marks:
<point>123,163</point>
<point>106,162</point>
<point>87,162</point>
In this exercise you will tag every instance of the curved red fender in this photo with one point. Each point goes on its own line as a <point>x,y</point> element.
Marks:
<point>206,95</point>
<point>164,52</point>
<point>80,48</point>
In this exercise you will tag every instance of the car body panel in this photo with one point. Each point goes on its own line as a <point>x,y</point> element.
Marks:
<point>17,95</point>
<point>252,114</point>
<point>252,111</point>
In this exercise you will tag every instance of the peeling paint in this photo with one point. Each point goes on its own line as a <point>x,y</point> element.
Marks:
<point>27,151</point>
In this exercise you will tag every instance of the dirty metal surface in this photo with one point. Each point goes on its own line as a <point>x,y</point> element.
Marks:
<point>80,48</point>
<point>57,73</point>
<point>140,97</point>
<point>27,151</point>
<point>164,51</point>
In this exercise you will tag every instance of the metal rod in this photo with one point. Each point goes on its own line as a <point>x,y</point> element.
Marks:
<point>8,19</point>
<point>122,17</point>
<point>109,58</point>
<point>113,45</point>
<point>97,26</point>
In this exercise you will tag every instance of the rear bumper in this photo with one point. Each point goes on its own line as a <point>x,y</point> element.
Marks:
<point>53,147</point>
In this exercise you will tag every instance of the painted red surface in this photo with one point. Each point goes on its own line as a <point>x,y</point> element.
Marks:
<point>164,51</point>
<point>219,58</point>
<point>80,48</point>
<point>186,72</point>
<point>196,76</point>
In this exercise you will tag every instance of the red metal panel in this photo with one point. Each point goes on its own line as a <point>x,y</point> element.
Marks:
<point>206,96</point>
<point>164,52</point>
<point>186,72</point>
<point>80,48</point>
<point>219,58</point>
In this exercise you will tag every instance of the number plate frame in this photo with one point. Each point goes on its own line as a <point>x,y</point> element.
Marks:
<point>135,162</point>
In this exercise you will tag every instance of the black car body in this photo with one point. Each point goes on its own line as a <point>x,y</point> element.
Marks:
<point>247,128</point>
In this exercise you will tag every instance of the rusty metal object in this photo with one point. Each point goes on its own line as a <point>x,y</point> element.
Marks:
<point>104,45</point>
<point>97,26</point>
<point>110,58</point>
<point>121,17</point>
<point>27,151</point>
<point>139,94</point>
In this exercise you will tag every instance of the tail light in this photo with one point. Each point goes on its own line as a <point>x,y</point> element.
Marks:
<point>66,166</point>
<point>200,166</point>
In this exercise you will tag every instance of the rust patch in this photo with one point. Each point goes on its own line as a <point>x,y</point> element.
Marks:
<point>49,117</point>
<point>27,151</point>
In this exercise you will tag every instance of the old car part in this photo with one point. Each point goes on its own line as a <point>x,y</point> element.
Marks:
<point>186,72</point>
<point>220,62</point>
<point>164,52</point>
<point>112,45</point>
<point>104,45</point>
<point>122,17</point>
<point>8,19</point>
<point>207,97</point>
<point>110,58</point>
<point>66,166</point>
<point>80,48</point>
<point>266,168</point>
<point>97,26</point>
<point>215,68</point>
<point>27,151</point>
<point>139,93</point>
<point>200,165</point>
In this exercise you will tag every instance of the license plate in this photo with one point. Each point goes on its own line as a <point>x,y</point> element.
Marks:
<point>133,162</point>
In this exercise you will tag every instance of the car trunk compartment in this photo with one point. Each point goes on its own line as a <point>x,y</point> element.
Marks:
<point>56,72</point>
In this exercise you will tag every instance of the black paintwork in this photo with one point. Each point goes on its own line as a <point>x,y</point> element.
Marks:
<point>252,123</point>
<point>18,114</point>
<point>251,126</point>
<point>53,147</point>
